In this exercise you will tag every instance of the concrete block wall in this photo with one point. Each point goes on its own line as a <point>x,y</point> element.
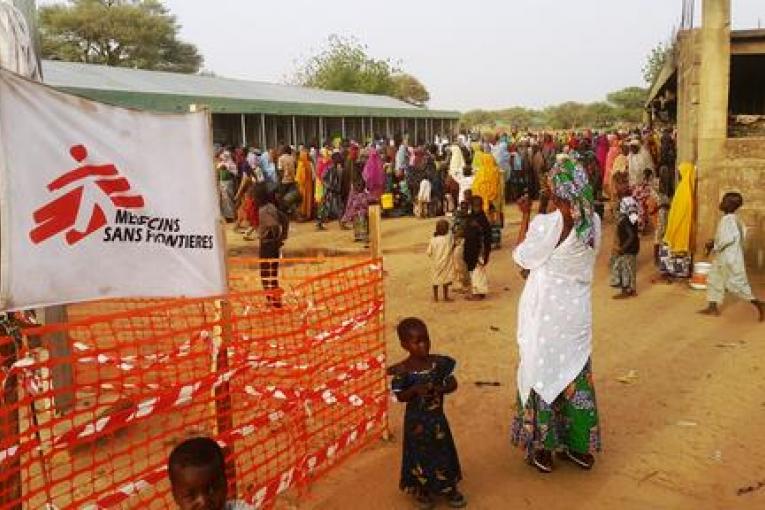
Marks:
<point>742,169</point>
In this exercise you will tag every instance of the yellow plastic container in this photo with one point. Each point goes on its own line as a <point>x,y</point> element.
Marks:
<point>387,200</point>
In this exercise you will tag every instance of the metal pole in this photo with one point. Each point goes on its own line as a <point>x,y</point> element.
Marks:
<point>371,128</point>
<point>294,131</point>
<point>244,130</point>
<point>321,131</point>
<point>416,140</point>
<point>263,140</point>
<point>362,130</point>
<point>387,127</point>
<point>342,121</point>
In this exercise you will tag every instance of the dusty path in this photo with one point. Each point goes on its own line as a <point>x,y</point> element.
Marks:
<point>687,433</point>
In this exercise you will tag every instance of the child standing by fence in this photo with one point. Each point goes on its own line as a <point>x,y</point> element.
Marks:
<point>430,465</point>
<point>197,472</point>
<point>728,269</point>
<point>441,253</point>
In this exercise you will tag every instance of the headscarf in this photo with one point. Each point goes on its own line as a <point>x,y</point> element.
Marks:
<point>456,161</point>
<point>325,161</point>
<point>303,171</point>
<point>678,235</point>
<point>373,174</point>
<point>268,166</point>
<point>487,180</point>
<point>402,158</point>
<point>227,161</point>
<point>569,182</point>
<point>628,207</point>
<point>502,155</point>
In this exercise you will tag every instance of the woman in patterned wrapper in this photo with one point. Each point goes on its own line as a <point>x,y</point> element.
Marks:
<point>556,409</point>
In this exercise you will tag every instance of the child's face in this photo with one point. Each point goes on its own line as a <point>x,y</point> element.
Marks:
<point>622,188</point>
<point>416,343</point>
<point>198,488</point>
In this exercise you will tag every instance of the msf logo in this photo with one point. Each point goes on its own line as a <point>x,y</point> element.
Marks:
<point>84,192</point>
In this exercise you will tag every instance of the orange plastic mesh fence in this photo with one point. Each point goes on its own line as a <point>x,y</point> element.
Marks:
<point>290,380</point>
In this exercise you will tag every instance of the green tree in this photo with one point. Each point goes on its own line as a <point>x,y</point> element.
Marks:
<point>124,33</point>
<point>629,98</point>
<point>655,61</point>
<point>567,115</point>
<point>345,65</point>
<point>410,89</point>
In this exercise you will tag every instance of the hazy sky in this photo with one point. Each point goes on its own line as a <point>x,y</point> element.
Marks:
<point>469,54</point>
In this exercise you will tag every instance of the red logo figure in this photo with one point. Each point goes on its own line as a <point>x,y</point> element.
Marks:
<point>63,213</point>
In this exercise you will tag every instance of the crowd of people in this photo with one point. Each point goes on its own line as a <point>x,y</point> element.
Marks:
<point>581,181</point>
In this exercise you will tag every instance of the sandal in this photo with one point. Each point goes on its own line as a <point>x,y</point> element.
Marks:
<point>456,500</point>
<point>583,460</point>
<point>543,461</point>
<point>424,502</point>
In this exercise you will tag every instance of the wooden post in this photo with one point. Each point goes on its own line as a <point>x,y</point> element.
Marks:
<point>224,419</point>
<point>375,251</point>
<point>375,231</point>
<point>61,357</point>
<point>10,423</point>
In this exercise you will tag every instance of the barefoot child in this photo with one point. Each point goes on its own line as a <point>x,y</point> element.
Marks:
<point>430,466</point>
<point>197,472</point>
<point>728,269</point>
<point>461,274</point>
<point>441,253</point>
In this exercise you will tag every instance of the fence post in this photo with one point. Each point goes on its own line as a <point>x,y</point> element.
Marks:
<point>224,419</point>
<point>10,423</point>
<point>375,249</point>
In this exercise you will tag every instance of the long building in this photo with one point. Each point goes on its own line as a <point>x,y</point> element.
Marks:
<point>253,113</point>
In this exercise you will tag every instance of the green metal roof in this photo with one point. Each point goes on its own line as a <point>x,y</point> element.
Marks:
<point>173,92</point>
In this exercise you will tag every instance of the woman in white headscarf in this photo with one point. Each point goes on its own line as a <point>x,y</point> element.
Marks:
<point>227,172</point>
<point>556,398</point>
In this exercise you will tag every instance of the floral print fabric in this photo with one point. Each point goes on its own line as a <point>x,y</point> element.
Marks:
<point>430,462</point>
<point>570,423</point>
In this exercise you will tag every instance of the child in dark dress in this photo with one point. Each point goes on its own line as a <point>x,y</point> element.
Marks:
<point>430,465</point>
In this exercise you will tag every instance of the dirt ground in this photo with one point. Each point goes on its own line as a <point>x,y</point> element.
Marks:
<point>684,432</point>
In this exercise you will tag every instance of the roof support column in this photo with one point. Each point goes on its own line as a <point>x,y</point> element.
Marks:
<point>371,128</point>
<point>403,128</point>
<point>362,130</point>
<point>321,131</point>
<point>244,131</point>
<point>442,127</point>
<point>342,122</point>
<point>387,127</point>
<point>294,131</point>
<point>416,140</point>
<point>263,131</point>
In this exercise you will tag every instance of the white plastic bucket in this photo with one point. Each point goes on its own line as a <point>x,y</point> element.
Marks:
<point>700,274</point>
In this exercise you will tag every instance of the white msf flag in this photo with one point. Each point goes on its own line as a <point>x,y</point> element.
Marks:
<point>103,202</point>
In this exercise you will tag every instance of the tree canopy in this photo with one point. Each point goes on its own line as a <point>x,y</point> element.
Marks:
<point>345,65</point>
<point>124,33</point>
<point>410,89</point>
<point>625,105</point>
<point>655,61</point>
